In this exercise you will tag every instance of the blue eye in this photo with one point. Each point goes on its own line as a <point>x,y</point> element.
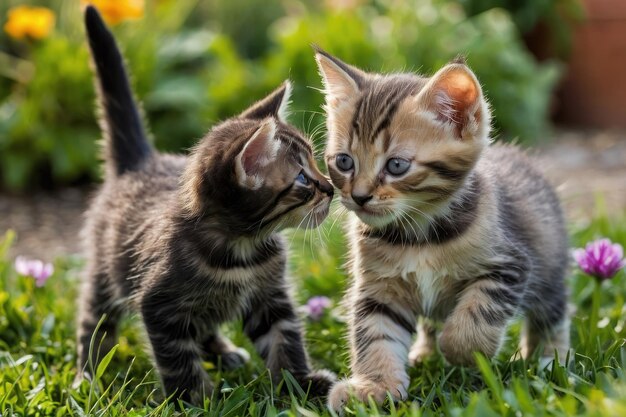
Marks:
<point>302,179</point>
<point>397,166</point>
<point>344,162</point>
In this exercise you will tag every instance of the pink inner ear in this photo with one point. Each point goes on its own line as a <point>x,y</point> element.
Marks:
<point>456,93</point>
<point>260,150</point>
<point>250,159</point>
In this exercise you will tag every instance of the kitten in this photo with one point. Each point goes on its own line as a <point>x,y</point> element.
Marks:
<point>191,242</point>
<point>445,226</point>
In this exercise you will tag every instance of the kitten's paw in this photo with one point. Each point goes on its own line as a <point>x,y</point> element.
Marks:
<point>318,383</point>
<point>361,390</point>
<point>454,350</point>
<point>420,353</point>
<point>235,358</point>
<point>459,343</point>
<point>196,396</point>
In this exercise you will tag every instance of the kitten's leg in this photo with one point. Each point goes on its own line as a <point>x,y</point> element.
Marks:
<point>96,303</point>
<point>380,336</point>
<point>217,348</point>
<point>478,322</point>
<point>174,346</point>
<point>426,343</point>
<point>272,325</point>
<point>547,324</point>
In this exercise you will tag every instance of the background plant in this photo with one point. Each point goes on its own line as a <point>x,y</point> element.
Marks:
<point>556,17</point>
<point>195,63</point>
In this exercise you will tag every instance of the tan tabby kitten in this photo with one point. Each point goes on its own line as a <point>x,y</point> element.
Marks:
<point>446,226</point>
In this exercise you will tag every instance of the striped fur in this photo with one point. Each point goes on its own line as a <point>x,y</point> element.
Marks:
<point>192,242</point>
<point>470,235</point>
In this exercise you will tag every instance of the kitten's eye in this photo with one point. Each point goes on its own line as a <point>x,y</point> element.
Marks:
<point>302,179</point>
<point>344,162</point>
<point>397,166</point>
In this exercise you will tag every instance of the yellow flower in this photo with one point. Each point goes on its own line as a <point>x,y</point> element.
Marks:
<point>114,11</point>
<point>35,22</point>
<point>315,269</point>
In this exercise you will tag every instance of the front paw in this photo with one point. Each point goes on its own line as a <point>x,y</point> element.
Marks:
<point>234,359</point>
<point>458,346</point>
<point>318,383</point>
<point>420,352</point>
<point>454,350</point>
<point>362,389</point>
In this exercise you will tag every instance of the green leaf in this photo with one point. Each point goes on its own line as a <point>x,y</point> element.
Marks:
<point>104,363</point>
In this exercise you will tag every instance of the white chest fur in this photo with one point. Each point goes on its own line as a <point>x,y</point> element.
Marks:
<point>428,276</point>
<point>420,269</point>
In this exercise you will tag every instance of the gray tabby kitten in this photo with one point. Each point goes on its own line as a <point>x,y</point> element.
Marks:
<point>191,242</point>
<point>445,226</point>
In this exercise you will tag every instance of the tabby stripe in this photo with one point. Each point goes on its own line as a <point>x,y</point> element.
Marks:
<point>445,171</point>
<point>369,306</point>
<point>175,361</point>
<point>386,121</point>
<point>274,203</point>
<point>392,236</point>
<point>282,348</point>
<point>355,126</point>
<point>442,229</point>
<point>337,177</point>
<point>226,257</point>
<point>463,212</point>
<point>282,213</point>
<point>297,142</point>
<point>166,325</point>
<point>503,294</point>
<point>493,315</point>
<point>257,324</point>
<point>184,384</point>
<point>362,340</point>
<point>434,189</point>
<point>512,274</point>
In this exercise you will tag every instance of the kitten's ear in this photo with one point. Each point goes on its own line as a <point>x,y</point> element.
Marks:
<point>341,81</point>
<point>454,95</point>
<point>276,104</point>
<point>260,150</point>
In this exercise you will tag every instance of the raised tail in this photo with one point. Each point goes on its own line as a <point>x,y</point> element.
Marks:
<point>126,145</point>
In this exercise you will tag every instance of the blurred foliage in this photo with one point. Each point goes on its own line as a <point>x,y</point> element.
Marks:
<point>195,63</point>
<point>557,16</point>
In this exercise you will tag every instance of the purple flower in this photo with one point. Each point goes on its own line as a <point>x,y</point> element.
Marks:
<point>34,268</point>
<point>601,258</point>
<point>316,305</point>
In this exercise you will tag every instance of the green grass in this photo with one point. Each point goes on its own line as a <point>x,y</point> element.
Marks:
<point>37,353</point>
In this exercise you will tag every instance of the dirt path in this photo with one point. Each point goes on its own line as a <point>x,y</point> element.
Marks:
<point>585,167</point>
<point>582,164</point>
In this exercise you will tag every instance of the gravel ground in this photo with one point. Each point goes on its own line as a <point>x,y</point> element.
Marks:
<point>583,165</point>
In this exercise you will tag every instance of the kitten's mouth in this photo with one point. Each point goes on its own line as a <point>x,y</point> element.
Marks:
<point>374,218</point>
<point>319,212</point>
<point>368,211</point>
<point>321,209</point>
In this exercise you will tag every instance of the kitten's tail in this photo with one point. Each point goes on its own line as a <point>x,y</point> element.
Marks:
<point>126,145</point>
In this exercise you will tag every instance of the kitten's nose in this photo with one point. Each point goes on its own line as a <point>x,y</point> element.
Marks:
<point>324,186</point>
<point>361,199</point>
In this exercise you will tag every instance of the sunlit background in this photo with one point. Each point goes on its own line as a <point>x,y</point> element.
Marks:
<point>196,62</point>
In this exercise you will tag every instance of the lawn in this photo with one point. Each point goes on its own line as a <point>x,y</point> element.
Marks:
<point>37,352</point>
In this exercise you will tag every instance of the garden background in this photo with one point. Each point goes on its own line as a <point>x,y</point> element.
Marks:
<point>195,62</point>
